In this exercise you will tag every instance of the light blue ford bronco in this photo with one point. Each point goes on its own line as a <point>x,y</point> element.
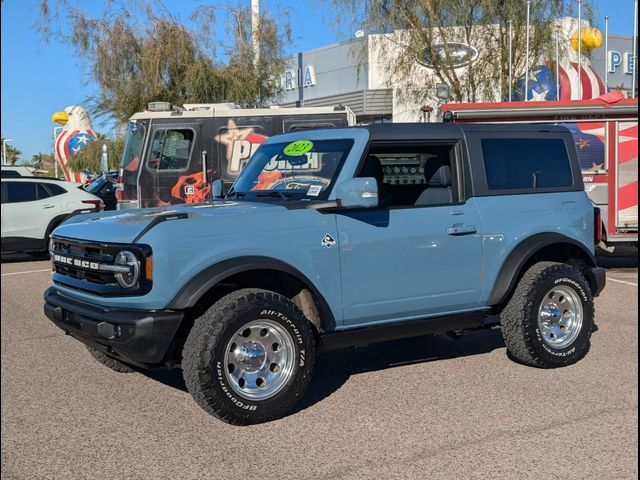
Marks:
<point>334,238</point>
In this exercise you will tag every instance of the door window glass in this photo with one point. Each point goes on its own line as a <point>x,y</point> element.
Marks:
<point>413,175</point>
<point>21,192</point>
<point>170,149</point>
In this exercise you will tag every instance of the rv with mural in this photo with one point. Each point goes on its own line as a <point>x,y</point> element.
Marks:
<point>605,131</point>
<point>172,155</point>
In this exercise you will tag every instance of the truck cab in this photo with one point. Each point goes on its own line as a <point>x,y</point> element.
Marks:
<point>172,155</point>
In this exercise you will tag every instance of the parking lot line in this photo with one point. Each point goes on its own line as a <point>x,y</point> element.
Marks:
<point>28,271</point>
<point>622,281</point>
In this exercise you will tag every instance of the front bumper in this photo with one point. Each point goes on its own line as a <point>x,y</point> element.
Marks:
<point>597,278</point>
<point>139,337</point>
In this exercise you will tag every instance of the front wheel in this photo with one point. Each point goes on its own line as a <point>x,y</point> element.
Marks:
<point>550,316</point>
<point>249,358</point>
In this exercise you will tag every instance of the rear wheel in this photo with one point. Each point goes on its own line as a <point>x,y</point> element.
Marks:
<point>550,317</point>
<point>250,357</point>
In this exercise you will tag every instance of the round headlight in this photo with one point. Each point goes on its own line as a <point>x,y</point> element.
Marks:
<point>127,259</point>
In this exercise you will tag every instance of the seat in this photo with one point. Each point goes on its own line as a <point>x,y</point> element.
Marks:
<point>438,191</point>
<point>373,168</point>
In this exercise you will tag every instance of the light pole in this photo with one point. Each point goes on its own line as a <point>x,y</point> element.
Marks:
<point>4,150</point>
<point>55,159</point>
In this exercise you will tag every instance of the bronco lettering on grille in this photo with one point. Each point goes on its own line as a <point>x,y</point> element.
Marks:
<point>76,262</point>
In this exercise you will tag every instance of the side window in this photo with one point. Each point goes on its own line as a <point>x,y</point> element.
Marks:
<point>526,163</point>
<point>55,189</point>
<point>413,176</point>
<point>21,192</point>
<point>42,191</point>
<point>170,149</point>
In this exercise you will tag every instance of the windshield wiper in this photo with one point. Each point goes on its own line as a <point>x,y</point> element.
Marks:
<point>235,195</point>
<point>275,193</point>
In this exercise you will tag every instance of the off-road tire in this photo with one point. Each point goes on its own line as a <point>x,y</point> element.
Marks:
<point>107,361</point>
<point>519,319</point>
<point>208,380</point>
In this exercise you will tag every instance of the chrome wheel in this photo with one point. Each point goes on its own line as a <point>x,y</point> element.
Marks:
<point>560,317</point>
<point>259,359</point>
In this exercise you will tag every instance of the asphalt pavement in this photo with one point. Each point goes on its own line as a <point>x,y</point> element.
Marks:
<point>423,408</point>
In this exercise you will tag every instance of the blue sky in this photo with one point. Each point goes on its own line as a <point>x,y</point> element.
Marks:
<point>39,78</point>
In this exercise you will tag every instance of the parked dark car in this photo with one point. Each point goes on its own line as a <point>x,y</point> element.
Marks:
<point>105,188</point>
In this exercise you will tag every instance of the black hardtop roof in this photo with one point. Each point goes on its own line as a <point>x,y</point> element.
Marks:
<point>433,131</point>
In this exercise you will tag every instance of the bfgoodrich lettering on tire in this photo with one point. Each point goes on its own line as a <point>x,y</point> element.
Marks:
<point>249,358</point>
<point>550,316</point>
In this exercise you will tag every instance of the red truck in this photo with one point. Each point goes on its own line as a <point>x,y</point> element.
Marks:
<point>605,131</point>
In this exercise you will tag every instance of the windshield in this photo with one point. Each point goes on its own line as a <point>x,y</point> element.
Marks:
<point>303,169</point>
<point>132,147</point>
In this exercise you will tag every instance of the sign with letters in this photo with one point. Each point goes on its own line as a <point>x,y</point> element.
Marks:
<point>297,78</point>
<point>616,59</point>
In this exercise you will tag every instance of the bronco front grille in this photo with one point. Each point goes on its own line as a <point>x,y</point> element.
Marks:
<point>82,265</point>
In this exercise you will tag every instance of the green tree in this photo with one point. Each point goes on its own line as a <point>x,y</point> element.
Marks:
<point>138,53</point>
<point>424,26</point>
<point>43,161</point>
<point>13,154</point>
<point>90,158</point>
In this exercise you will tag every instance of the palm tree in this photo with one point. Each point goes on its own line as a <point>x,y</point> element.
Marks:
<point>13,154</point>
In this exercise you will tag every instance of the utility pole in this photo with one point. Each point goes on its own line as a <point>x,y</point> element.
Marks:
<point>255,20</point>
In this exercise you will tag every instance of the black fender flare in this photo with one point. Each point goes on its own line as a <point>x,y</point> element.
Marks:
<point>53,224</point>
<point>195,288</point>
<point>513,266</point>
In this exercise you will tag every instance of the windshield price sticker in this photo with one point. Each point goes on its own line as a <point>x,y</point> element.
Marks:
<point>298,148</point>
<point>314,190</point>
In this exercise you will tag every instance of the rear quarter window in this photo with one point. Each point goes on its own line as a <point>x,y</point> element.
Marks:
<point>526,163</point>
<point>55,189</point>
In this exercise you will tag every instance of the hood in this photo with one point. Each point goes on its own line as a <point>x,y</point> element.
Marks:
<point>128,226</point>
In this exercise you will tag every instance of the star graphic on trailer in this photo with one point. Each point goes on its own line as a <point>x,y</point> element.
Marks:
<point>538,96</point>
<point>232,134</point>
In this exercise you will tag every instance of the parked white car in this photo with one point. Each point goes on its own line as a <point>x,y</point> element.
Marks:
<point>12,171</point>
<point>33,206</point>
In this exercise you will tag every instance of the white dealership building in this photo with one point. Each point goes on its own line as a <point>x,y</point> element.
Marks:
<point>356,74</point>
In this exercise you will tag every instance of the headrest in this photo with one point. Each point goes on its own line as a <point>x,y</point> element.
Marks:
<point>372,168</point>
<point>441,177</point>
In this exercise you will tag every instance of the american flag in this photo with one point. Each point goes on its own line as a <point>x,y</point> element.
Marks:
<point>68,143</point>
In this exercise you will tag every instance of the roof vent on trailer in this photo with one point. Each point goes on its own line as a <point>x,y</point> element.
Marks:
<point>197,107</point>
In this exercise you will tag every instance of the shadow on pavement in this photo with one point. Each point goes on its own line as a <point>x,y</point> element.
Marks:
<point>623,257</point>
<point>24,257</point>
<point>333,368</point>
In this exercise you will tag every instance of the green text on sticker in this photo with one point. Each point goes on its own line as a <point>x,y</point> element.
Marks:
<point>298,148</point>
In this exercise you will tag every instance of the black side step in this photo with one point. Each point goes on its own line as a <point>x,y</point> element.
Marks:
<point>405,329</point>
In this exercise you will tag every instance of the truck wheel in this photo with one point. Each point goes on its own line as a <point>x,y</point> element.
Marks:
<point>107,361</point>
<point>550,316</point>
<point>249,358</point>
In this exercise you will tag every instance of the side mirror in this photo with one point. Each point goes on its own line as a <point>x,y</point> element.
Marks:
<point>217,189</point>
<point>358,193</point>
